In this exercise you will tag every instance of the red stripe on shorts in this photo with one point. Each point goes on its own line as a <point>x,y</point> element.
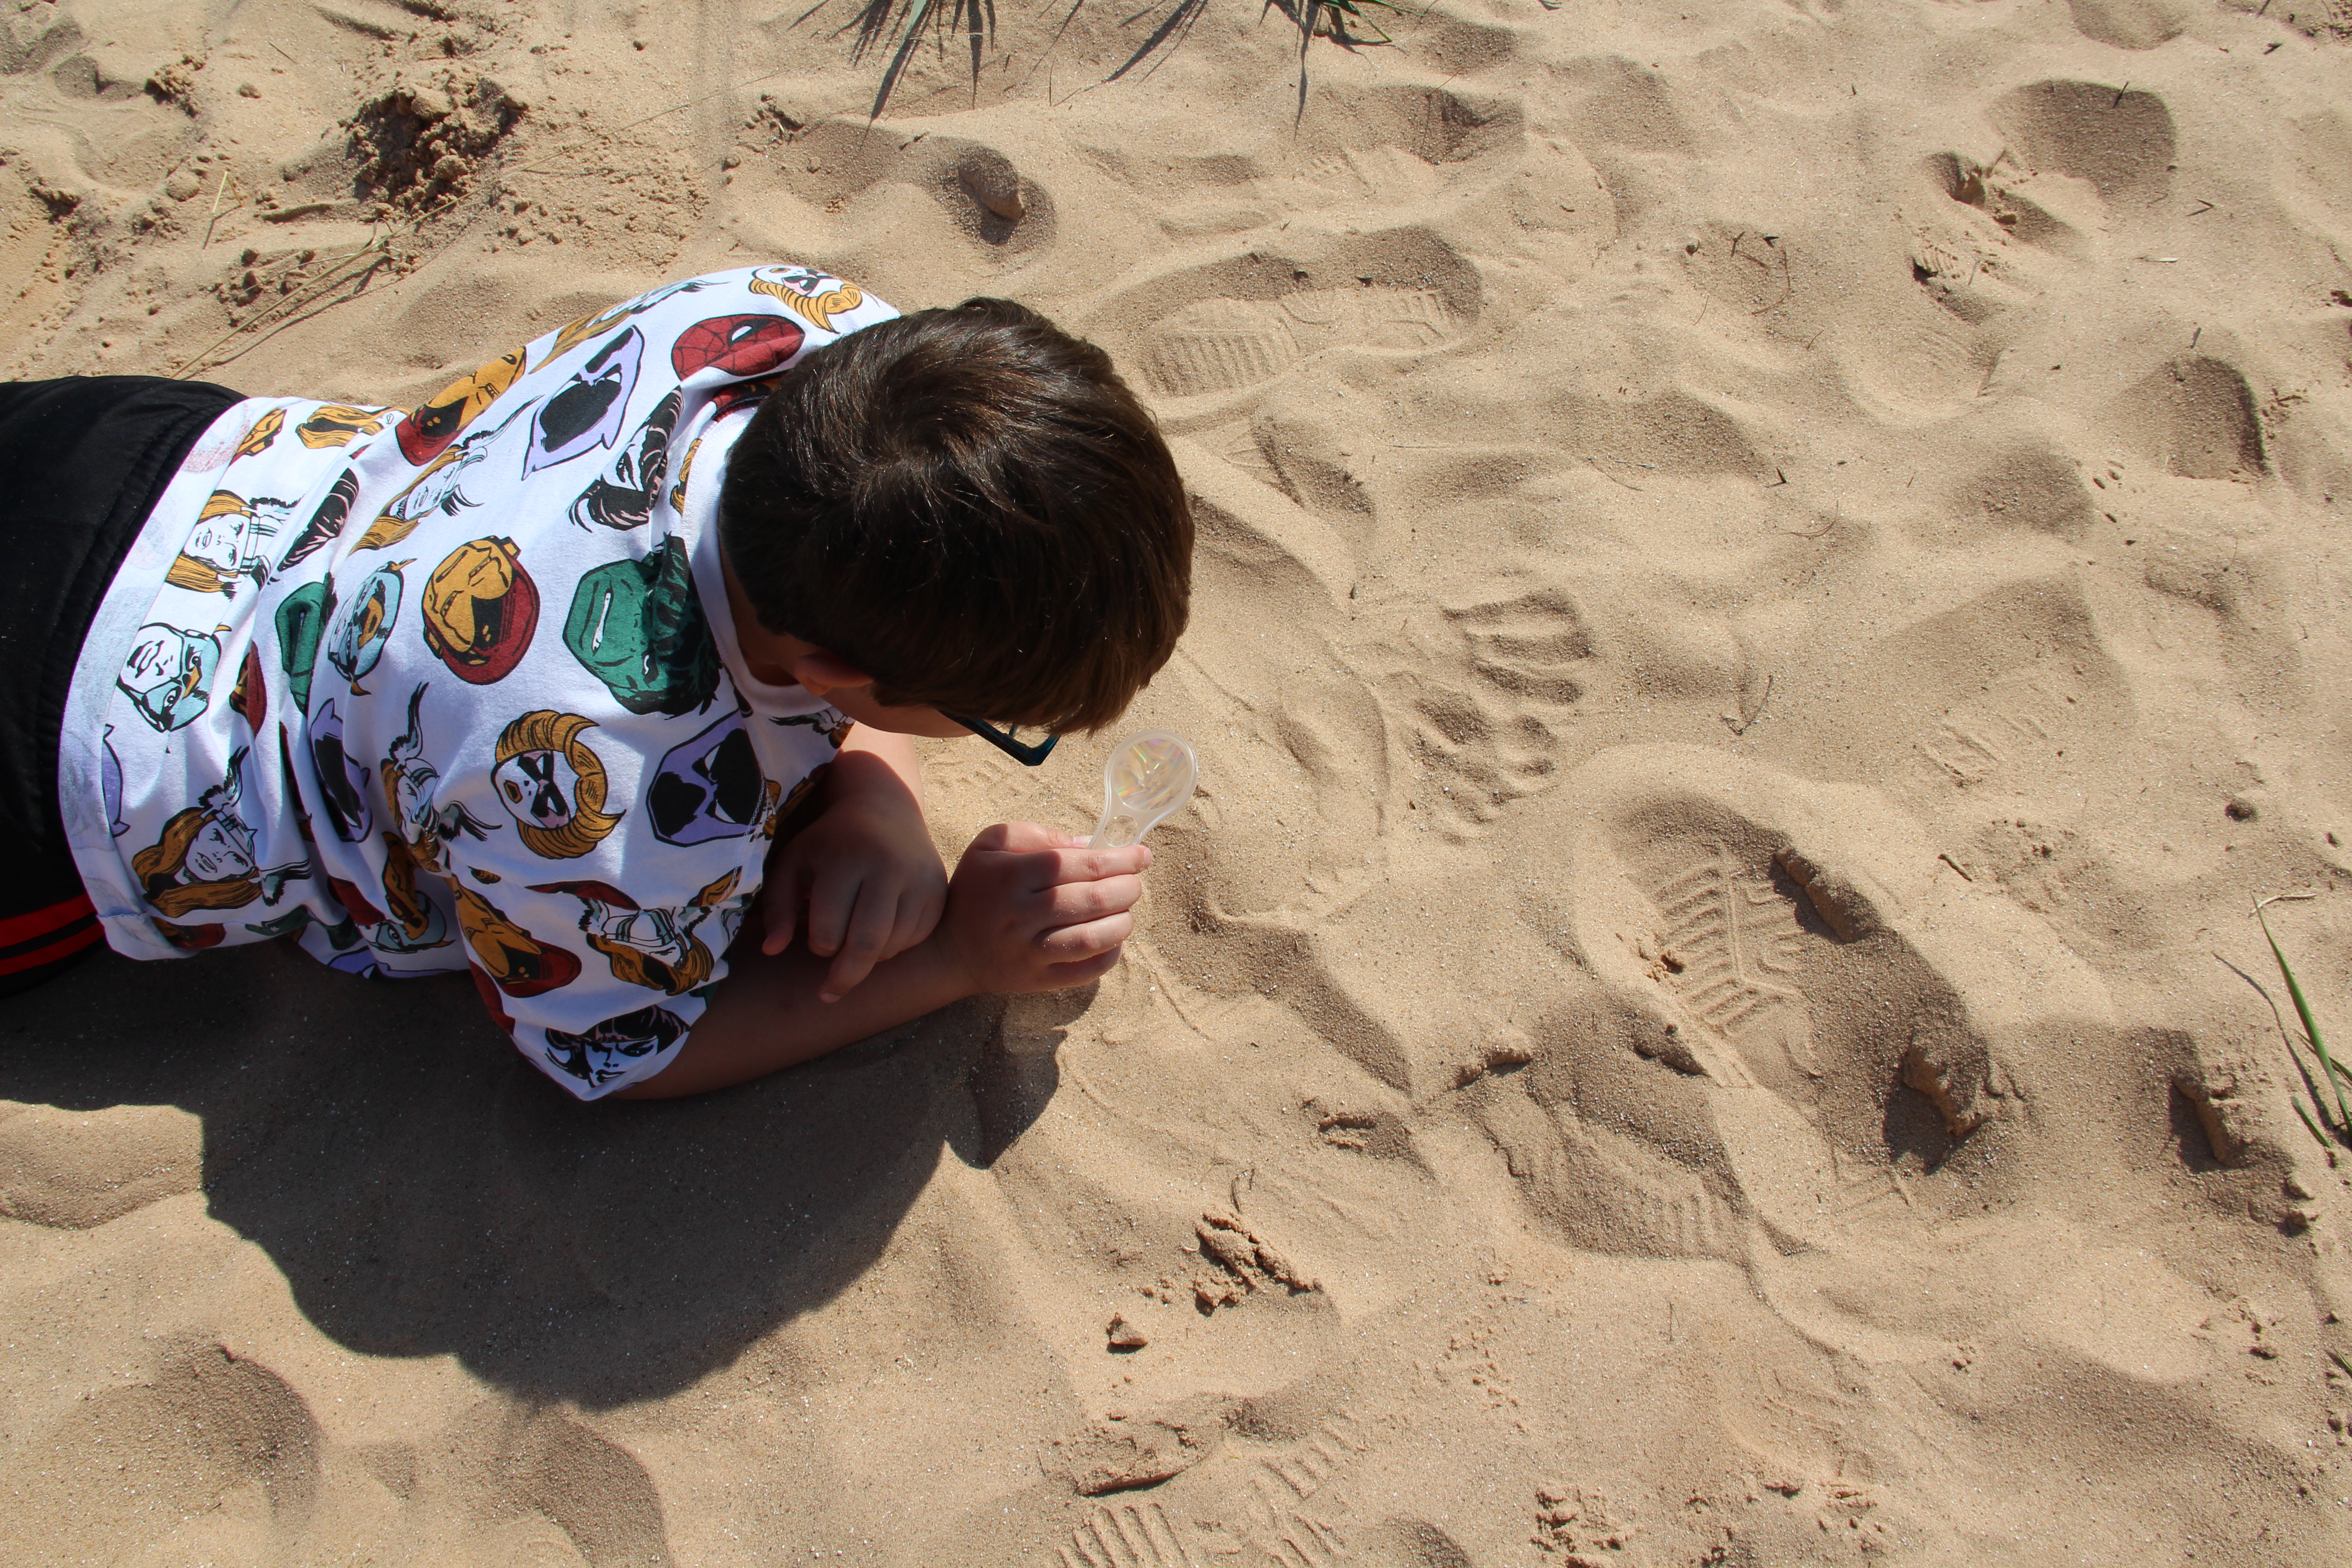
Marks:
<point>18,929</point>
<point>55,951</point>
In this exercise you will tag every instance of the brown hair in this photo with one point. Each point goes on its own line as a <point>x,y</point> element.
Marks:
<point>970,506</point>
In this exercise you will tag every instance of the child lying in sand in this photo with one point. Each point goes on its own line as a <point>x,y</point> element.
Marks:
<point>527,680</point>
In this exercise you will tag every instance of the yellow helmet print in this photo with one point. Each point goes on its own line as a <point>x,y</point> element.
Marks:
<point>480,610</point>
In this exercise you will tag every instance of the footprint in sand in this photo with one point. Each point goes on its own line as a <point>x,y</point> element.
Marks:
<point>1311,1456</point>
<point>1235,324</point>
<point>2013,735</point>
<point>2120,138</point>
<point>71,1170</point>
<point>2130,23</point>
<point>2194,418</point>
<point>1989,191</point>
<point>1283,1470</point>
<point>1132,1535</point>
<point>1226,345</point>
<point>1608,1134</point>
<point>1488,734</point>
<point>1836,1002</point>
<point>1301,1541</point>
<point>214,1457</point>
<point>841,169</point>
<point>544,1468</point>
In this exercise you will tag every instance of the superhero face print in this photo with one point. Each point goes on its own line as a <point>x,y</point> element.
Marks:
<point>434,489</point>
<point>265,430</point>
<point>624,496</point>
<point>228,545</point>
<point>587,411</point>
<point>410,784</point>
<point>342,780</point>
<point>302,618</point>
<point>638,627</point>
<point>552,785</point>
<point>510,957</point>
<point>417,922</point>
<point>587,327</point>
<point>812,295</point>
<point>712,787</point>
<point>480,610</point>
<point>335,425</point>
<point>740,345</point>
<point>204,859</point>
<point>656,948</point>
<point>358,640</point>
<point>326,524</point>
<point>612,1047</point>
<point>427,433</point>
<point>169,674</point>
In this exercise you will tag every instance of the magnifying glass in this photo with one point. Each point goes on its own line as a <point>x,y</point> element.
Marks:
<point>1146,779</point>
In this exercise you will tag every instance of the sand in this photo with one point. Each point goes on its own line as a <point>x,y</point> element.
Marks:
<point>1772,584</point>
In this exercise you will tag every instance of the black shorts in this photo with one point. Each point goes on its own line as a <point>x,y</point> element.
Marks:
<point>81,462</point>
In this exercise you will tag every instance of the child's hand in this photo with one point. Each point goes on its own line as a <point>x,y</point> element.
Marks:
<point>1034,910</point>
<point>870,879</point>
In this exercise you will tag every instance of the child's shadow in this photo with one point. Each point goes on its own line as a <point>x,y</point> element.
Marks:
<point>424,1190</point>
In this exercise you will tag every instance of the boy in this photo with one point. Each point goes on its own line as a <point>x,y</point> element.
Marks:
<point>527,680</point>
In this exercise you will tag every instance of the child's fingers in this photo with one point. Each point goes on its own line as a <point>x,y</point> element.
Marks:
<point>919,916</point>
<point>831,903</point>
<point>1062,976</point>
<point>1073,903</point>
<point>780,905</point>
<point>862,946</point>
<point>1019,838</point>
<point>1094,865</point>
<point>1071,943</point>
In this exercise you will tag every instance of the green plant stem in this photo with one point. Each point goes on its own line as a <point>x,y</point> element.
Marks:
<point>2310,1025</point>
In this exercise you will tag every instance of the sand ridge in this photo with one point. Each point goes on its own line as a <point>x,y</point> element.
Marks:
<point>1771,584</point>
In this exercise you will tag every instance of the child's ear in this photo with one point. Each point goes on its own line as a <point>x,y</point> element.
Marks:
<point>820,672</point>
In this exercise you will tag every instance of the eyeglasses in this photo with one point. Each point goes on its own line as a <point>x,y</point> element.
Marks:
<point>1027,753</point>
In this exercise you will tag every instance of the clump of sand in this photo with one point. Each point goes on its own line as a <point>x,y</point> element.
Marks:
<point>1771,585</point>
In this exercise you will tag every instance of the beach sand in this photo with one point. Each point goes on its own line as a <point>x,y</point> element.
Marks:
<point>1772,584</point>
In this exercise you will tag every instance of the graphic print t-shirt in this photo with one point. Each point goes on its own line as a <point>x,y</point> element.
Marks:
<point>458,688</point>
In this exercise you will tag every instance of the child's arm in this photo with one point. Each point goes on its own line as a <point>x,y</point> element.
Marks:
<point>865,870</point>
<point>1029,910</point>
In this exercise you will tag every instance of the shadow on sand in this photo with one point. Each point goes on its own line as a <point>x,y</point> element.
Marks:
<point>424,1191</point>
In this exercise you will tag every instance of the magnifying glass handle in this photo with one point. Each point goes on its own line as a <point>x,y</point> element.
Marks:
<point>1105,839</point>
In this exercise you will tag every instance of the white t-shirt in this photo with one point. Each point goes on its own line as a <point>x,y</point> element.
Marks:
<point>459,688</point>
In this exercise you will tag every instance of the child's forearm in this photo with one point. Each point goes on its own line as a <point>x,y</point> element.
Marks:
<point>873,760</point>
<point>765,1016</point>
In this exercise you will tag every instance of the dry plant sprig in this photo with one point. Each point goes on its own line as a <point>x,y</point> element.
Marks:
<point>353,271</point>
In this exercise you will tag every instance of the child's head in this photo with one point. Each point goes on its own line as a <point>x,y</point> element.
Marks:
<point>970,506</point>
